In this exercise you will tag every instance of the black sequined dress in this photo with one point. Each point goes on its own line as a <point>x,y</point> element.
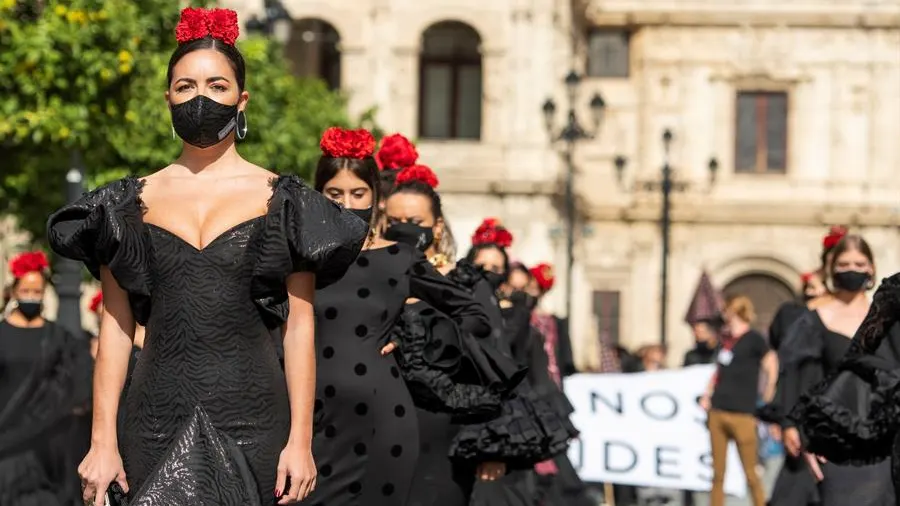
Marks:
<point>207,410</point>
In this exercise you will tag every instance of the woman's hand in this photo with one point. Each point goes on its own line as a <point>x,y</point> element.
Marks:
<point>490,471</point>
<point>814,461</point>
<point>100,467</point>
<point>791,440</point>
<point>705,403</point>
<point>389,347</point>
<point>297,469</point>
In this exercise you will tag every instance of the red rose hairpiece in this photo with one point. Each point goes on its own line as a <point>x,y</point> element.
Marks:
<point>806,277</point>
<point>221,24</point>
<point>834,236</point>
<point>419,173</point>
<point>95,302</point>
<point>396,152</point>
<point>339,142</point>
<point>543,274</point>
<point>30,261</point>
<point>491,231</point>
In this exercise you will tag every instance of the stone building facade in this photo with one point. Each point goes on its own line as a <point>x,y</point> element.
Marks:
<point>799,106</point>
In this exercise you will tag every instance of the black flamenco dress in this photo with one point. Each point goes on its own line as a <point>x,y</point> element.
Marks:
<point>841,396</point>
<point>534,424</point>
<point>366,440</point>
<point>207,411</point>
<point>43,379</point>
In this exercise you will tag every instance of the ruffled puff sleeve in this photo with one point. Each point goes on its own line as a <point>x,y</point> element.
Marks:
<point>442,368</point>
<point>304,232</point>
<point>853,417</point>
<point>105,228</point>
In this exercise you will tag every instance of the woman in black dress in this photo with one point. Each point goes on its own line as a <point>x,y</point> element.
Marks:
<point>815,349</point>
<point>208,254</point>
<point>43,382</point>
<point>366,437</point>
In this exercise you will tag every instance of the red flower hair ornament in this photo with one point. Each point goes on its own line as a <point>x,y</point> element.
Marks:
<point>491,231</point>
<point>543,274</point>
<point>396,152</point>
<point>834,236</point>
<point>419,173</point>
<point>30,261</point>
<point>221,24</point>
<point>95,302</point>
<point>339,142</point>
<point>806,277</point>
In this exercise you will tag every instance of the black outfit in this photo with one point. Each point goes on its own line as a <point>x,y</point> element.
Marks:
<point>787,314</point>
<point>366,433</point>
<point>207,411</point>
<point>738,380</point>
<point>833,416</point>
<point>43,379</point>
<point>701,354</point>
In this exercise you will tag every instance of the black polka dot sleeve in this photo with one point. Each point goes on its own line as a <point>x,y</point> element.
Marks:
<point>427,284</point>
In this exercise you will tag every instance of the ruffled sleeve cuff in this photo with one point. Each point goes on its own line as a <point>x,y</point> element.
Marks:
<point>105,228</point>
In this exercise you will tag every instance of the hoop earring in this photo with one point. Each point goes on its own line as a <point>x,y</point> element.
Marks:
<point>241,130</point>
<point>870,284</point>
<point>174,137</point>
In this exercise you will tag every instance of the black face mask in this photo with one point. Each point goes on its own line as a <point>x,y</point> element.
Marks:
<point>363,214</point>
<point>30,309</point>
<point>531,301</point>
<point>851,281</point>
<point>416,236</point>
<point>203,122</point>
<point>494,279</point>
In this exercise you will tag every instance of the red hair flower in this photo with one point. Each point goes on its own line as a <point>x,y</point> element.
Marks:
<point>95,302</point>
<point>543,274</point>
<point>491,231</point>
<point>30,261</point>
<point>806,277</point>
<point>396,152</point>
<point>339,142</point>
<point>221,24</point>
<point>834,236</point>
<point>419,173</point>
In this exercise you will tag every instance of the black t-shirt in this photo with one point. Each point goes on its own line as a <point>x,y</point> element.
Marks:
<point>738,382</point>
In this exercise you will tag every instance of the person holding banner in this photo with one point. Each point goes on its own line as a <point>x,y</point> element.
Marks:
<point>731,397</point>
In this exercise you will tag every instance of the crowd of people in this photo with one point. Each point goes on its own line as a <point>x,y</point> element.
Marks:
<point>265,341</point>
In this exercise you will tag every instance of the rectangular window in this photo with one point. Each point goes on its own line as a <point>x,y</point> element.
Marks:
<point>606,310</point>
<point>761,142</point>
<point>608,52</point>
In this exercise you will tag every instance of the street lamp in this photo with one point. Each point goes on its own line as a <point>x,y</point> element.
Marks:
<point>68,272</point>
<point>276,22</point>
<point>570,134</point>
<point>666,185</point>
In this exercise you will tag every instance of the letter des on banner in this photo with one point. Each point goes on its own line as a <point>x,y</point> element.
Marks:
<point>645,429</point>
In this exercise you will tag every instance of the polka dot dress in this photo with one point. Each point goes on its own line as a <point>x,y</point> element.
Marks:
<point>365,439</point>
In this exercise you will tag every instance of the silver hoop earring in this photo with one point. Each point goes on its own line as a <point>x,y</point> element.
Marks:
<point>241,130</point>
<point>174,137</point>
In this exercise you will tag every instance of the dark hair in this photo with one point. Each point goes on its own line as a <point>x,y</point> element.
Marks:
<point>475,250</point>
<point>388,178</point>
<point>519,266</point>
<point>416,187</point>
<point>852,242</point>
<point>364,168</point>
<point>230,52</point>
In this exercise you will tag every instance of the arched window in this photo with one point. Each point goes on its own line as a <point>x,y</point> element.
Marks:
<point>313,51</point>
<point>450,82</point>
<point>766,292</point>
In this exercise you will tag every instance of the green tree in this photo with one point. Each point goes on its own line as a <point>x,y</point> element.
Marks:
<point>88,76</point>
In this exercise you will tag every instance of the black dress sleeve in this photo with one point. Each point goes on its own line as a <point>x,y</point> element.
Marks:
<point>565,360</point>
<point>427,284</point>
<point>853,416</point>
<point>105,228</point>
<point>303,232</point>
<point>800,361</point>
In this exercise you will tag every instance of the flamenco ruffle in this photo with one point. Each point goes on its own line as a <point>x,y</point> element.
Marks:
<point>530,429</point>
<point>853,417</point>
<point>444,370</point>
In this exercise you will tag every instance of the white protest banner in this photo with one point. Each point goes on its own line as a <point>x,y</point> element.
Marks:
<point>646,429</point>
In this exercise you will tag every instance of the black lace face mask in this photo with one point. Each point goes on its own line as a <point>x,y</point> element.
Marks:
<point>416,236</point>
<point>203,122</point>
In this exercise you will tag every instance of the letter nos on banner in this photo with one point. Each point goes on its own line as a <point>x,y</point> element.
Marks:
<point>646,429</point>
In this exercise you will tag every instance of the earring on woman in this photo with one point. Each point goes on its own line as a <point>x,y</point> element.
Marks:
<point>241,130</point>
<point>173,133</point>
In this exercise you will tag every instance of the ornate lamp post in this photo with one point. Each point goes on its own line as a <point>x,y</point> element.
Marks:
<point>276,22</point>
<point>68,272</point>
<point>666,185</point>
<point>569,135</point>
